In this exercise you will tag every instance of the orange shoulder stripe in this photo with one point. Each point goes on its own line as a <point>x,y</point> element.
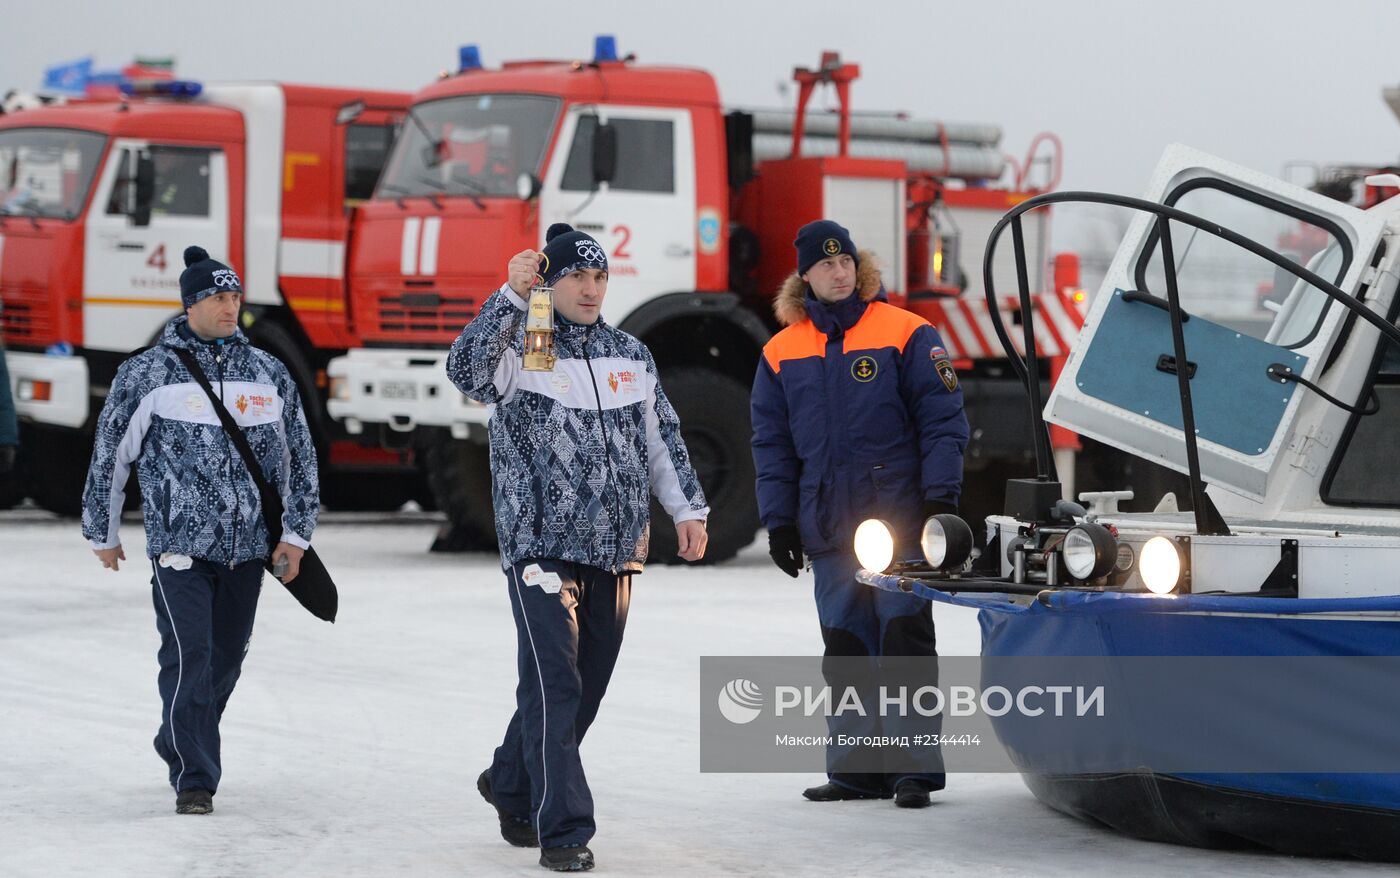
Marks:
<point>882,326</point>
<point>793,343</point>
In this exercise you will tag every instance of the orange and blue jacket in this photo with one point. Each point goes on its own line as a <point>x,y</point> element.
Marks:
<point>857,414</point>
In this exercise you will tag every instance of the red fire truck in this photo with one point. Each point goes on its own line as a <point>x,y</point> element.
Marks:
<point>98,199</point>
<point>698,208</point>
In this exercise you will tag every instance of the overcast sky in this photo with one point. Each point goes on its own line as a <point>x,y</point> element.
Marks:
<point>1261,82</point>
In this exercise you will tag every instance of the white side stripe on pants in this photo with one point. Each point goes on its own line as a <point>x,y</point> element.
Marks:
<point>544,711</point>
<point>179,675</point>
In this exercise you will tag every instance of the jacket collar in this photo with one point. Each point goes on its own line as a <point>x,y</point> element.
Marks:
<point>177,334</point>
<point>575,335</point>
<point>835,319</point>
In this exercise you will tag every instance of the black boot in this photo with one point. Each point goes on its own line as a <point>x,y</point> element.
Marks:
<point>516,830</point>
<point>194,802</point>
<point>911,793</point>
<point>834,792</point>
<point>570,858</point>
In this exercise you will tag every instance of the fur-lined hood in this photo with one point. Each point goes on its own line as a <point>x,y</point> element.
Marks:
<point>790,305</point>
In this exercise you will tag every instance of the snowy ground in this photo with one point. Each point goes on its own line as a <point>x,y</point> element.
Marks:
<point>353,749</point>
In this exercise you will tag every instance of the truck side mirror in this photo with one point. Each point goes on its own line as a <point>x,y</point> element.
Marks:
<point>145,189</point>
<point>604,153</point>
<point>738,141</point>
<point>432,154</point>
<point>527,186</point>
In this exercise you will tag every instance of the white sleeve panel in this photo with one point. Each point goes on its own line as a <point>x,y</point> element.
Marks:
<point>665,483</point>
<point>128,450</point>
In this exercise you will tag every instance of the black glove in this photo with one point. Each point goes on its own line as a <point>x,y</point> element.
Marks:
<point>7,458</point>
<point>939,507</point>
<point>785,547</point>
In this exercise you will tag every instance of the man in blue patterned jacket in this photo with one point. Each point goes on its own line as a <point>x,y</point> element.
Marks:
<point>205,532</point>
<point>575,454</point>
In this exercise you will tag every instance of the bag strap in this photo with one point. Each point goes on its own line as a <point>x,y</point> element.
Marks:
<point>271,501</point>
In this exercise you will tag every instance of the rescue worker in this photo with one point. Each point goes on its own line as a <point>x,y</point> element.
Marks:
<point>857,414</point>
<point>205,532</point>
<point>575,454</point>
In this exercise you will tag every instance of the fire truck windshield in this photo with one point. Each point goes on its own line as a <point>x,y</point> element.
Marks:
<point>476,145</point>
<point>46,172</point>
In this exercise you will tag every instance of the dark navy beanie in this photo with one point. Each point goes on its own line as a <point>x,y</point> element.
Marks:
<point>203,277</point>
<point>820,239</point>
<point>566,249</point>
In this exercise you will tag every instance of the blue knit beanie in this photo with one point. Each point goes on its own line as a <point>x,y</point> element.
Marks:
<point>820,239</point>
<point>566,249</point>
<point>203,277</point>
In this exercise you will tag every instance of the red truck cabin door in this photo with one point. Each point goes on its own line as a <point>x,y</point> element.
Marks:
<point>131,273</point>
<point>646,217</point>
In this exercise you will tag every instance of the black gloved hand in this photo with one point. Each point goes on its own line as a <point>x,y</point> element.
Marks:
<point>785,547</point>
<point>7,458</point>
<point>938,507</point>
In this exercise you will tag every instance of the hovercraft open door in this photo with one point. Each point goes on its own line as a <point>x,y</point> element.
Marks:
<point>1246,315</point>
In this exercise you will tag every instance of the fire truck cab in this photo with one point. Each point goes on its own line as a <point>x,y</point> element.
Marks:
<point>98,200</point>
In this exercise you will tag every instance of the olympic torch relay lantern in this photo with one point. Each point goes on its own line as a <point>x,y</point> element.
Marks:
<point>539,331</point>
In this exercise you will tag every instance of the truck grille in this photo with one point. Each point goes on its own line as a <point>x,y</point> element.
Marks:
<point>26,319</point>
<point>423,315</point>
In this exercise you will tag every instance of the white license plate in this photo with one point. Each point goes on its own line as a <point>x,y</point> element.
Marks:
<point>398,390</point>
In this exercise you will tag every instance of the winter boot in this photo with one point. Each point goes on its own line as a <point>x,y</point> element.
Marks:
<point>834,792</point>
<point>569,858</point>
<point>194,802</point>
<point>516,830</point>
<point>911,793</point>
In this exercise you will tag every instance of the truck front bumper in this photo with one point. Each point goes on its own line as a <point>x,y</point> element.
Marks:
<point>49,389</point>
<point>402,389</point>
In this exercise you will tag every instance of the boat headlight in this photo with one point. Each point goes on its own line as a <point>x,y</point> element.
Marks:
<point>1089,551</point>
<point>946,541</point>
<point>874,545</point>
<point>1159,565</point>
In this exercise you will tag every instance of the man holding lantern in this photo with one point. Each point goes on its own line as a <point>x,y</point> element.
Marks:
<point>581,436</point>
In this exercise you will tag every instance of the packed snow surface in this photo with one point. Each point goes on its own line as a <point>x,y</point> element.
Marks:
<point>353,749</point>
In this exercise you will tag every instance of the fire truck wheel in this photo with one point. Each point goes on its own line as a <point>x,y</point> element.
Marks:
<point>350,491</point>
<point>459,474</point>
<point>423,491</point>
<point>714,413</point>
<point>274,339</point>
<point>52,469</point>
<point>55,463</point>
<point>12,488</point>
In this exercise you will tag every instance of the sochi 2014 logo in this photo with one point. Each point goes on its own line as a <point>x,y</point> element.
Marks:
<point>590,252</point>
<point>225,278</point>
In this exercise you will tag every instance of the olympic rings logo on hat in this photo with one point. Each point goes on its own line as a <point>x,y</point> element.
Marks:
<point>831,246</point>
<point>590,252</point>
<point>224,277</point>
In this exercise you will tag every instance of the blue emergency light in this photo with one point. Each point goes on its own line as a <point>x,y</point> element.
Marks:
<point>604,48</point>
<point>468,58</point>
<point>166,88</point>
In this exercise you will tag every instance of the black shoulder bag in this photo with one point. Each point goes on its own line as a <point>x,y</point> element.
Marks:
<point>312,587</point>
